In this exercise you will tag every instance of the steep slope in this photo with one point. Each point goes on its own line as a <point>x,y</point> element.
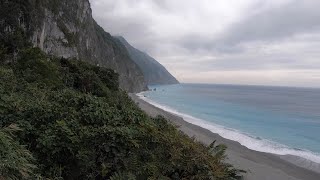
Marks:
<point>153,71</point>
<point>74,123</point>
<point>65,28</point>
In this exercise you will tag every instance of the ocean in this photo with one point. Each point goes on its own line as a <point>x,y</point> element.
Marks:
<point>279,120</point>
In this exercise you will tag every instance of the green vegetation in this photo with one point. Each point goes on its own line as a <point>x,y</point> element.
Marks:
<point>76,123</point>
<point>72,38</point>
<point>66,119</point>
<point>16,161</point>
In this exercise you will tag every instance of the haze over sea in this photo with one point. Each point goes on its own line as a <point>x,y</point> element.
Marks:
<point>279,120</point>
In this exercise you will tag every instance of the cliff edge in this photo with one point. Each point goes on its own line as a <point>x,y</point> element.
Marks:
<point>65,28</point>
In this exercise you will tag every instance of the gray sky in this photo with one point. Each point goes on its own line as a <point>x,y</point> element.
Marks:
<point>262,42</point>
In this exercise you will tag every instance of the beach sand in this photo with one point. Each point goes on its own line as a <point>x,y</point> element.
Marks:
<point>259,165</point>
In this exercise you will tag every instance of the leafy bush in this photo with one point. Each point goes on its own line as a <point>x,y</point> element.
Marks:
<point>16,162</point>
<point>78,124</point>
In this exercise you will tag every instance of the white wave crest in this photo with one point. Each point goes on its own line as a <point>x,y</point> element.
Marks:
<point>251,142</point>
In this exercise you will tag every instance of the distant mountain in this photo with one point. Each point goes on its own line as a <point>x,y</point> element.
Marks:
<point>66,28</point>
<point>153,71</point>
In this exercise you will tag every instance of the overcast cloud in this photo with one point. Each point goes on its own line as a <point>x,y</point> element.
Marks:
<point>274,42</point>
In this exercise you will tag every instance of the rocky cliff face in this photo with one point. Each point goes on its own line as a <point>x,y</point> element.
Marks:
<point>153,71</point>
<point>65,28</point>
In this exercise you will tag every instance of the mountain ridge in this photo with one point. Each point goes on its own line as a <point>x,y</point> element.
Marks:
<point>153,71</point>
<point>66,28</point>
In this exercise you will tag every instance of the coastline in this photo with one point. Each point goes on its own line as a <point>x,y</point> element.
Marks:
<point>259,165</point>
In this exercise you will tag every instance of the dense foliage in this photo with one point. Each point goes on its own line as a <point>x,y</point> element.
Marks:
<point>76,123</point>
<point>16,160</point>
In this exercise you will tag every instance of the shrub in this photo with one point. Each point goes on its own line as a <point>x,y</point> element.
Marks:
<point>78,124</point>
<point>16,162</point>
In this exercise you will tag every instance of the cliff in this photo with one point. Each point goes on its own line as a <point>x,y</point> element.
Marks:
<point>153,71</point>
<point>63,118</point>
<point>65,28</point>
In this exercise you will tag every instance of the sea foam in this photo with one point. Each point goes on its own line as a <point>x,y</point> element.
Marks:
<point>255,143</point>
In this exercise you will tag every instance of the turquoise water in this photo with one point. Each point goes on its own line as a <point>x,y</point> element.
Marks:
<point>280,120</point>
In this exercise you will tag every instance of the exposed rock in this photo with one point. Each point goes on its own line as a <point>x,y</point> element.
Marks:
<point>65,28</point>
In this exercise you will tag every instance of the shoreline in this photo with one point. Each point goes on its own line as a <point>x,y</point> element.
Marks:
<point>259,165</point>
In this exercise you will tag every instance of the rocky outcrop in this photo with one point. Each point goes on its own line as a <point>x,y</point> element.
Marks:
<point>153,71</point>
<point>65,28</point>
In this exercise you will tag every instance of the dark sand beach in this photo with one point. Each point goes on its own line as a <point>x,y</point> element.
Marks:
<point>259,165</point>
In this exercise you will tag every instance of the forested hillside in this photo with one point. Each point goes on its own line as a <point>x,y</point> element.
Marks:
<point>154,73</point>
<point>68,119</point>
